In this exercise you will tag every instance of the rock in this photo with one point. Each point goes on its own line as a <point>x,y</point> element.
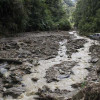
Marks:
<point>74,45</point>
<point>3,65</point>
<point>94,60</point>
<point>34,79</point>
<point>10,61</point>
<point>30,94</point>
<point>7,80</point>
<point>50,57</point>
<point>1,86</point>
<point>12,68</point>
<point>3,72</point>
<point>27,71</point>
<point>92,91</point>
<point>47,97</point>
<point>98,70</point>
<point>63,76</point>
<point>7,85</point>
<point>14,91</point>
<point>16,79</point>
<point>35,62</point>
<point>78,95</point>
<point>95,51</point>
<point>76,85</point>
<point>94,79</point>
<point>59,71</point>
<point>46,94</point>
<point>56,79</point>
<point>89,69</point>
<point>69,56</point>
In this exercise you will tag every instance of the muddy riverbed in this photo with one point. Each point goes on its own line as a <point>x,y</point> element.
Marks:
<point>49,65</point>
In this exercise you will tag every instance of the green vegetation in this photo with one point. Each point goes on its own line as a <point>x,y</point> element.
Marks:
<point>32,15</point>
<point>83,84</point>
<point>87,16</point>
<point>44,15</point>
<point>13,17</point>
<point>70,8</point>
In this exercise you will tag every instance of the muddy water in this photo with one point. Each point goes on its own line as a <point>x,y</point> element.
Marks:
<point>82,57</point>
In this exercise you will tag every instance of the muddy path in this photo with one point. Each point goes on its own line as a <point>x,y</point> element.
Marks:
<point>52,65</point>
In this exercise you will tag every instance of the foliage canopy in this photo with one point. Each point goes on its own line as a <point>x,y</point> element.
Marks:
<point>87,15</point>
<point>31,15</point>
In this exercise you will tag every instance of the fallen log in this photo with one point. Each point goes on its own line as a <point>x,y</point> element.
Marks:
<point>10,61</point>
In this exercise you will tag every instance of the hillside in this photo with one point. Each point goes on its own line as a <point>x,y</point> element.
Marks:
<point>87,16</point>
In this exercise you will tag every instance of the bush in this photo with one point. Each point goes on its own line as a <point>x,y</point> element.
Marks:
<point>64,25</point>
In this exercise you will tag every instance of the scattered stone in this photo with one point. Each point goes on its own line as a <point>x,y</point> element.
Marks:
<point>14,91</point>
<point>46,94</point>
<point>60,77</point>
<point>60,71</point>
<point>77,85</point>
<point>35,62</point>
<point>98,70</point>
<point>30,93</point>
<point>74,45</point>
<point>3,71</point>
<point>94,60</point>
<point>10,61</point>
<point>35,79</point>
<point>90,92</point>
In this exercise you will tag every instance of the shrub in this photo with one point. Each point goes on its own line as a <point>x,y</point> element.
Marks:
<point>64,25</point>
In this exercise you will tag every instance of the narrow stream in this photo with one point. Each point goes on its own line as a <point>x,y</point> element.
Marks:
<point>82,57</point>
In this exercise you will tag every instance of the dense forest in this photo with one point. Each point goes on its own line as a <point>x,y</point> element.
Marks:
<point>45,15</point>
<point>87,16</point>
<point>32,15</point>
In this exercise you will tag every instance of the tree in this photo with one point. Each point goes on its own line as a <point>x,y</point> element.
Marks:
<point>87,15</point>
<point>12,16</point>
<point>32,15</point>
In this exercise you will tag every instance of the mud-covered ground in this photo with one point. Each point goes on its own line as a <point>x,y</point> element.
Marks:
<point>40,45</point>
<point>27,49</point>
<point>91,87</point>
<point>46,65</point>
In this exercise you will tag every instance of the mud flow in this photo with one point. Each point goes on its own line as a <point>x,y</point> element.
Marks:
<point>43,67</point>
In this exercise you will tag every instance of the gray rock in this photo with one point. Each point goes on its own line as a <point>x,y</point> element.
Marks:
<point>59,71</point>
<point>94,60</point>
<point>3,72</point>
<point>14,91</point>
<point>35,79</point>
<point>63,76</point>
